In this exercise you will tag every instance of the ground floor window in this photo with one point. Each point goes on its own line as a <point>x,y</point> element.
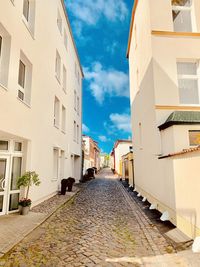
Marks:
<point>194,137</point>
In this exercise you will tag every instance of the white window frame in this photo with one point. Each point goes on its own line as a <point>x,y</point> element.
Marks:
<point>55,164</point>
<point>56,112</point>
<point>64,79</point>
<point>59,22</point>
<point>185,8</point>
<point>189,77</point>
<point>58,66</point>
<point>63,126</point>
<point>78,105</point>
<point>29,18</point>
<point>75,100</point>
<point>74,131</point>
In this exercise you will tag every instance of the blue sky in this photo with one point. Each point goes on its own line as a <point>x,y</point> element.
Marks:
<point>100,29</point>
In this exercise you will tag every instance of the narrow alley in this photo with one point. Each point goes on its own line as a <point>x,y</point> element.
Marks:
<point>100,226</point>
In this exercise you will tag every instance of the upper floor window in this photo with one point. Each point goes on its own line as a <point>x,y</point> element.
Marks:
<point>65,38</point>
<point>59,22</point>
<point>74,131</point>
<point>78,105</point>
<point>24,79</point>
<point>5,44</point>
<point>64,79</point>
<point>56,112</point>
<point>188,82</point>
<point>63,119</point>
<point>75,99</point>
<point>58,65</point>
<point>29,13</point>
<point>182,15</point>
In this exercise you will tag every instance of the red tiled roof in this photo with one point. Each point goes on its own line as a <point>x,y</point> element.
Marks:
<point>184,151</point>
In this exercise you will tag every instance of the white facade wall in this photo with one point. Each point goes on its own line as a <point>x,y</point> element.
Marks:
<point>33,123</point>
<point>154,96</point>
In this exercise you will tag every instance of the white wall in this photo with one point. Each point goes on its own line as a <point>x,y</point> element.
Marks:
<point>35,122</point>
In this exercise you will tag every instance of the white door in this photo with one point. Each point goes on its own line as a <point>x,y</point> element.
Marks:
<point>4,175</point>
<point>13,190</point>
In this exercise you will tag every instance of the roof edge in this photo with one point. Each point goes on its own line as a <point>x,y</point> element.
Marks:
<point>70,29</point>
<point>131,27</point>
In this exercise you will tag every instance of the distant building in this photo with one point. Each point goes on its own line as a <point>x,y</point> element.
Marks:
<point>40,99</point>
<point>163,52</point>
<point>104,160</point>
<point>92,153</point>
<point>121,147</point>
<point>128,168</point>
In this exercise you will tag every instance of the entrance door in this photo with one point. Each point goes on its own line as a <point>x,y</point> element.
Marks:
<point>13,191</point>
<point>4,173</point>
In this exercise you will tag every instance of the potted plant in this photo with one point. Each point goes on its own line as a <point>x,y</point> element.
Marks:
<point>26,180</point>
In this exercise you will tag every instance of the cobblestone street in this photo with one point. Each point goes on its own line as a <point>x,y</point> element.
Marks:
<point>100,226</point>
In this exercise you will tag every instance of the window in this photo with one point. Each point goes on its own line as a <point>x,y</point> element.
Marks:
<point>59,22</point>
<point>74,131</point>
<point>26,7</point>
<point>188,82</point>
<point>77,134</point>
<point>29,14</point>
<point>56,112</point>
<point>64,79</point>
<point>55,163</point>
<point>182,15</point>
<point>24,79</point>
<point>78,105</point>
<point>58,66</point>
<point>5,44</point>
<point>18,146</point>
<point>194,137</point>
<point>65,38</point>
<point>75,98</point>
<point>22,73</point>
<point>4,145</point>
<point>62,164</point>
<point>63,118</point>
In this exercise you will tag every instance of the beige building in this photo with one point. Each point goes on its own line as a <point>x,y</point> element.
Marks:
<point>121,147</point>
<point>40,98</point>
<point>128,168</point>
<point>164,54</point>
<point>92,153</point>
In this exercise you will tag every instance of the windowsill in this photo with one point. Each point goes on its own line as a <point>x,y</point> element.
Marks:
<point>56,126</point>
<point>64,91</point>
<point>57,78</point>
<point>27,26</point>
<point>12,1</point>
<point>3,87</point>
<point>22,101</point>
<point>63,131</point>
<point>54,179</point>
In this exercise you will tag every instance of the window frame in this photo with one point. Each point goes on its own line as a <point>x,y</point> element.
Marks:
<point>58,66</point>
<point>191,77</point>
<point>56,112</point>
<point>27,13</point>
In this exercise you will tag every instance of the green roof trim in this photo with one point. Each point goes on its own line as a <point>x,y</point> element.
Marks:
<point>181,118</point>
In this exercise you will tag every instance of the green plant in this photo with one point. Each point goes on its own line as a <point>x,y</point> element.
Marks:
<point>28,179</point>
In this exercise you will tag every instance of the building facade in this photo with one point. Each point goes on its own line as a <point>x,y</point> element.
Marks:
<point>163,52</point>
<point>92,153</point>
<point>121,147</point>
<point>40,99</point>
<point>128,168</point>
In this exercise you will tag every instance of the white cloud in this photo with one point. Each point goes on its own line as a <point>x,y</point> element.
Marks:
<point>85,128</point>
<point>104,82</point>
<point>121,122</point>
<point>111,48</point>
<point>90,11</point>
<point>103,138</point>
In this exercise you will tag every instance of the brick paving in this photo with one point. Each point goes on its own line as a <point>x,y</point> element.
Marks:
<point>101,226</point>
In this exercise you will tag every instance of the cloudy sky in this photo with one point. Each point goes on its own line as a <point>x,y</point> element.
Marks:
<point>100,29</point>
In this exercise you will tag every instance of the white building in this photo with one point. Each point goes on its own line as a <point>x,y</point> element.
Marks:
<point>164,54</point>
<point>40,98</point>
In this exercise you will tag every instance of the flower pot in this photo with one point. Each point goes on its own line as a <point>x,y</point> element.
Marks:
<point>24,210</point>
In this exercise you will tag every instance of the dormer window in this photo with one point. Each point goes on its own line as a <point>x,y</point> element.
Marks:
<point>182,15</point>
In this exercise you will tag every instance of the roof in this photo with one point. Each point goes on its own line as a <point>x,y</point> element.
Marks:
<point>76,51</point>
<point>121,141</point>
<point>131,26</point>
<point>184,151</point>
<point>181,118</point>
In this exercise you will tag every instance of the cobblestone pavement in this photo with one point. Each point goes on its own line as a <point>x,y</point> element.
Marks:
<point>101,226</point>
